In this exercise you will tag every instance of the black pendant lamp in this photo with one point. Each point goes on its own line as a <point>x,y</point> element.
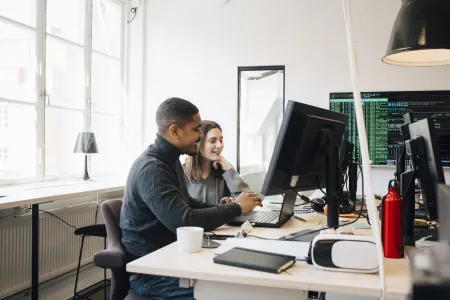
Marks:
<point>421,34</point>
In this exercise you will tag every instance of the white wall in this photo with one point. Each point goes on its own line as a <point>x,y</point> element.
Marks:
<point>134,104</point>
<point>194,47</point>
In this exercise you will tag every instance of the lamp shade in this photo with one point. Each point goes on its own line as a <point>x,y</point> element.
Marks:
<point>421,34</point>
<point>86,143</point>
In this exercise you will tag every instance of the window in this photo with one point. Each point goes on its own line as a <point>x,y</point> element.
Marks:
<point>106,93</point>
<point>3,154</point>
<point>79,89</point>
<point>4,117</point>
<point>260,107</point>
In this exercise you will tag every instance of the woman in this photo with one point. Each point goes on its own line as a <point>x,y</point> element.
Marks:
<point>209,175</point>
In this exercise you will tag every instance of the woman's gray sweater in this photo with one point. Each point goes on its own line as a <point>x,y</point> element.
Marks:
<point>217,185</point>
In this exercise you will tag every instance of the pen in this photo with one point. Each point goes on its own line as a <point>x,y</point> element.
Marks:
<point>298,218</point>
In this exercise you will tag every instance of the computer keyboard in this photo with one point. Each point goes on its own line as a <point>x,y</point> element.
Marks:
<point>302,210</point>
<point>266,217</point>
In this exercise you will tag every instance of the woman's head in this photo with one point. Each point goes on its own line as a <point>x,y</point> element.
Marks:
<point>209,149</point>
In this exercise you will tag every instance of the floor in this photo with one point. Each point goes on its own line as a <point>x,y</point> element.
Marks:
<point>64,289</point>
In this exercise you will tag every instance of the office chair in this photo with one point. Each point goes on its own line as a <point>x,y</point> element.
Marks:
<point>115,256</point>
<point>98,230</point>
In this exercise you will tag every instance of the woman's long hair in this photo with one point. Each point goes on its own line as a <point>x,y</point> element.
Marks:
<point>193,166</point>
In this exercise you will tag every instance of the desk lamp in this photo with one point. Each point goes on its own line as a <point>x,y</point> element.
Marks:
<point>86,144</point>
<point>421,34</point>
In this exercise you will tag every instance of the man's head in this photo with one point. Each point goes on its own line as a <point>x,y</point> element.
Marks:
<point>179,121</point>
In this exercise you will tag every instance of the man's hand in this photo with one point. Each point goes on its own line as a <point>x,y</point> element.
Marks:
<point>223,163</point>
<point>248,201</point>
<point>226,200</point>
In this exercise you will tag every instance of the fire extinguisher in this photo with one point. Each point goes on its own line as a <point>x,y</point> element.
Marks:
<point>392,222</point>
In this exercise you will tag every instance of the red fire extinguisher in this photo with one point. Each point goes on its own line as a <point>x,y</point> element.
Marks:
<point>392,222</point>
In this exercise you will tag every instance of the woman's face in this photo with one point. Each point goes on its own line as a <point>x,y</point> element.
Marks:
<point>213,146</point>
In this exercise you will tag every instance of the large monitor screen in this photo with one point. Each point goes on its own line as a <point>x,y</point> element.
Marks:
<point>383,114</point>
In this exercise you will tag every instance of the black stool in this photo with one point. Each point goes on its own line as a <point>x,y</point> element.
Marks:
<point>98,230</point>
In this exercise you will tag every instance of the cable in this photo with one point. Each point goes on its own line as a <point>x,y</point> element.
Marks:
<point>433,224</point>
<point>53,215</point>
<point>59,219</point>
<point>134,12</point>
<point>362,190</point>
<point>409,185</point>
<point>259,237</point>
<point>318,186</point>
<point>303,197</point>
<point>318,230</point>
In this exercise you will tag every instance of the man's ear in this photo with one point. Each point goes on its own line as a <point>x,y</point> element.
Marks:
<point>173,131</point>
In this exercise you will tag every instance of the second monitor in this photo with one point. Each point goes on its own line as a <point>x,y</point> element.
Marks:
<point>306,155</point>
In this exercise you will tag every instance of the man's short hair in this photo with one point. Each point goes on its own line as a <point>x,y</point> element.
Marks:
<point>174,111</point>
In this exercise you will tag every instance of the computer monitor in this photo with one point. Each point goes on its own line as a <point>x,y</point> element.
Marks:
<point>306,154</point>
<point>424,151</point>
<point>443,196</point>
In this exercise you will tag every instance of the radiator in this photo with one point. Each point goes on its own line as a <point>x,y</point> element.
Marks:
<point>58,246</point>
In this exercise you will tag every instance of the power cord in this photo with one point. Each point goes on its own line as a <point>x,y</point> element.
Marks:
<point>318,186</point>
<point>134,12</point>
<point>285,271</point>
<point>53,215</point>
<point>303,197</point>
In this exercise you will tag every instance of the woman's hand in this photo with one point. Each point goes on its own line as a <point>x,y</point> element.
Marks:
<point>223,163</point>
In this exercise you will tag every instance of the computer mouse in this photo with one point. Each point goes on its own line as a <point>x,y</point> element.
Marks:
<point>317,204</point>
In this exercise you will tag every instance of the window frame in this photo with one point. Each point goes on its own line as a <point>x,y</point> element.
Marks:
<point>43,99</point>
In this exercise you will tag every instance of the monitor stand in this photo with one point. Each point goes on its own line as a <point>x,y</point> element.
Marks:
<point>407,189</point>
<point>350,200</point>
<point>332,175</point>
<point>420,165</point>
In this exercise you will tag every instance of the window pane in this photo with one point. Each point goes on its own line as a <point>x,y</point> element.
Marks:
<point>61,130</point>
<point>23,11</point>
<point>17,63</point>
<point>108,134</point>
<point>65,74</point>
<point>18,142</point>
<point>106,27</point>
<point>261,111</point>
<point>66,19</point>
<point>106,87</point>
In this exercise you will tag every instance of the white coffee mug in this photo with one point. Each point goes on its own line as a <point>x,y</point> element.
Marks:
<point>189,239</point>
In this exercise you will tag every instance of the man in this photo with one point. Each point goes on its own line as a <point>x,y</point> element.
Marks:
<point>157,202</point>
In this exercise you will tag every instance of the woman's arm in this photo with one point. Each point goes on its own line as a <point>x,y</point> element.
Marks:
<point>235,182</point>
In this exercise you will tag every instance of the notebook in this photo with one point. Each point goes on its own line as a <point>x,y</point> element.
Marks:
<point>255,260</point>
<point>297,249</point>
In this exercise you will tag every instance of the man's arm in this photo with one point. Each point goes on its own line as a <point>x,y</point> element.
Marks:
<point>194,203</point>
<point>159,192</point>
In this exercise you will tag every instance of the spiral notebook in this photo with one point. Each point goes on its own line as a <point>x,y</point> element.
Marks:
<point>255,260</point>
<point>293,248</point>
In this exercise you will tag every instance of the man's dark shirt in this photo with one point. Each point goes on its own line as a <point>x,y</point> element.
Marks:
<point>157,202</point>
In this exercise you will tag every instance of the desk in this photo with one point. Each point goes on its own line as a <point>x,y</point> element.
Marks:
<point>54,191</point>
<point>214,281</point>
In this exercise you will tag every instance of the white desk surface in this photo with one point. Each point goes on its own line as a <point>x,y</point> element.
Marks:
<point>200,266</point>
<point>53,191</point>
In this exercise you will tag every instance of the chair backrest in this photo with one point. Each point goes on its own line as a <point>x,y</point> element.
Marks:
<point>115,257</point>
<point>111,215</point>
